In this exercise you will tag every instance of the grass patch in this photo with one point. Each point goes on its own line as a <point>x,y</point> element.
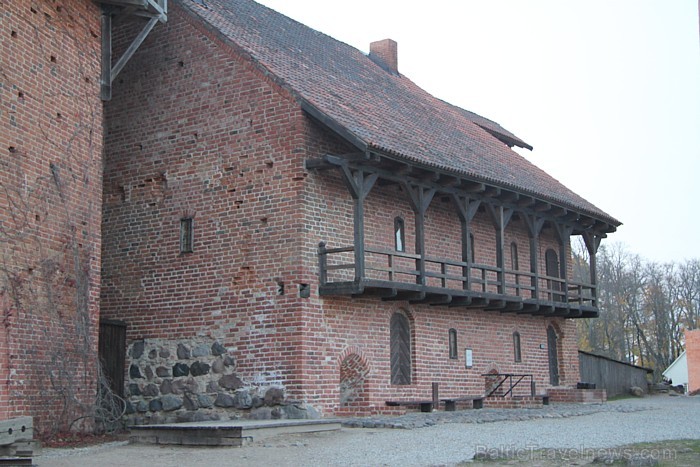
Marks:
<point>674,453</point>
<point>621,397</point>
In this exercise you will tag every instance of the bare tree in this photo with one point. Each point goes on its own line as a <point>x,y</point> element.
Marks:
<point>644,306</point>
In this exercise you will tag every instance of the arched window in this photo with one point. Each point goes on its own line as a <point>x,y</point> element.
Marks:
<point>186,235</point>
<point>453,344</point>
<point>514,266</point>
<point>399,235</point>
<point>400,349</point>
<point>514,256</point>
<point>517,355</point>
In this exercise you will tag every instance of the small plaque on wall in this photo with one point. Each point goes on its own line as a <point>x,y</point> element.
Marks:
<point>468,358</point>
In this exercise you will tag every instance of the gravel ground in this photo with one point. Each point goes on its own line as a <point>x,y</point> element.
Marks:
<point>430,439</point>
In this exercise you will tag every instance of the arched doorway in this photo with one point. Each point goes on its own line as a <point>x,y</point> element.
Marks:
<point>552,343</point>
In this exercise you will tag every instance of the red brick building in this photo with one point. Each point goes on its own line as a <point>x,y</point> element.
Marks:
<point>293,228</point>
<point>50,209</point>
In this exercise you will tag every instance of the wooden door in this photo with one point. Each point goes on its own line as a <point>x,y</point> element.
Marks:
<point>112,353</point>
<point>400,349</point>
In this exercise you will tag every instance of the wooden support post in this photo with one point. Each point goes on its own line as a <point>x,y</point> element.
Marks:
<point>359,184</point>
<point>359,237</point>
<point>592,242</point>
<point>436,395</point>
<point>500,217</point>
<point>420,198</point>
<point>466,209</point>
<point>534,227</point>
<point>322,264</point>
<point>564,234</point>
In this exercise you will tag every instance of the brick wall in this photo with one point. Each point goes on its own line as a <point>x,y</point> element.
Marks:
<point>692,353</point>
<point>197,130</point>
<point>337,324</point>
<point>50,197</point>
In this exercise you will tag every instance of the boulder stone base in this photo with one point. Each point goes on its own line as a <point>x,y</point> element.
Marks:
<point>196,380</point>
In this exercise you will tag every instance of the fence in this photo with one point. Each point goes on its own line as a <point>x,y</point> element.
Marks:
<point>614,376</point>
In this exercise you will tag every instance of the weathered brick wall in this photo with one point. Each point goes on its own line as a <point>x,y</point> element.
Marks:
<point>339,324</point>
<point>195,130</point>
<point>50,215</point>
<point>692,353</point>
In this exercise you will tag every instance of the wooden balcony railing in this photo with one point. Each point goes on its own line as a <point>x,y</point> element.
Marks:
<point>397,270</point>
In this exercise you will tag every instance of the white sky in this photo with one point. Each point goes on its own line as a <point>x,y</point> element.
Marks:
<point>607,92</point>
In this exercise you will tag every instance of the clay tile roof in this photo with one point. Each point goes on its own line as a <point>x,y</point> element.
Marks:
<point>385,111</point>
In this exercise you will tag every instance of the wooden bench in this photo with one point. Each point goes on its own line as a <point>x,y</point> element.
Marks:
<point>17,441</point>
<point>451,403</point>
<point>425,405</point>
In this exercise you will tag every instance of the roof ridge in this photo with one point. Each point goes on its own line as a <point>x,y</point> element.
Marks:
<point>382,110</point>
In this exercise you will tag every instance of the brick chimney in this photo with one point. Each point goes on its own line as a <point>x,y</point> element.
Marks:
<point>385,54</point>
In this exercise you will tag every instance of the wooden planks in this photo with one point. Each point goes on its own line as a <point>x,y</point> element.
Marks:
<point>17,441</point>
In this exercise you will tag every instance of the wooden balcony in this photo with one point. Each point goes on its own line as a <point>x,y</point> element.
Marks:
<point>394,275</point>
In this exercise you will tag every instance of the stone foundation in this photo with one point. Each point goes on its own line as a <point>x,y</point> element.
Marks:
<point>196,380</point>
<point>573,395</point>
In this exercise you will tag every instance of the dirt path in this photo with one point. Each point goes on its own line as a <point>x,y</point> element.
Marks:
<point>662,418</point>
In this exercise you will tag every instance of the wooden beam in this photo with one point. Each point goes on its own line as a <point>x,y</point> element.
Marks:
<point>510,197</point>
<point>434,299</point>
<point>500,217</point>
<point>534,228</point>
<point>495,305</point>
<point>420,198</point>
<point>492,192</point>
<point>542,206</point>
<point>473,187</point>
<point>526,201</point>
<point>332,125</point>
<point>408,295</point>
<point>460,301</point>
<point>129,52</point>
<point>448,181</point>
<point>558,211</point>
<point>466,210</point>
<point>317,164</point>
<point>479,302</point>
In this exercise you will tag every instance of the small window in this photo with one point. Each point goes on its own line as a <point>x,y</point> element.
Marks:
<point>399,236</point>
<point>551,263</point>
<point>186,235</point>
<point>516,347</point>
<point>514,256</point>
<point>453,344</point>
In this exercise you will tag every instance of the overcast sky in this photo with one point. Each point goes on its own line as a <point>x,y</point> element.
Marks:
<point>607,92</point>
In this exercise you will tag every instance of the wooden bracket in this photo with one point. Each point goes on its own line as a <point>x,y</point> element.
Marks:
<point>156,11</point>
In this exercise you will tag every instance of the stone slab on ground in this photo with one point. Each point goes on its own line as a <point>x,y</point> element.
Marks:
<point>226,433</point>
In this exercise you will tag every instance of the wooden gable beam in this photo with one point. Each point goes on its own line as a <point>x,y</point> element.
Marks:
<point>156,11</point>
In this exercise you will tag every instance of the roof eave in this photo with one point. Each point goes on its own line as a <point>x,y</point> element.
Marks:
<point>507,139</point>
<point>324,119</point>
